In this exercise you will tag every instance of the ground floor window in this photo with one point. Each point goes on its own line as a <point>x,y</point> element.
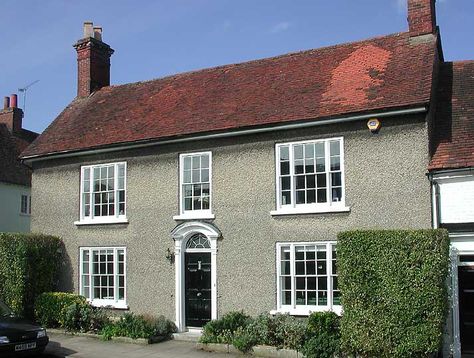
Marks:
<point>103,275</point>
<point>307,277</point>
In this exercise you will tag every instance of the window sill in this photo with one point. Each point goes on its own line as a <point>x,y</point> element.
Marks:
<point>110,304</point>
<point>306,311</point>
<point>102,221</point>
<point>298,211</point>
<point>195,216</point>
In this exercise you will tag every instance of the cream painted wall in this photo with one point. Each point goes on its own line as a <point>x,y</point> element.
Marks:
<point>10,203</point>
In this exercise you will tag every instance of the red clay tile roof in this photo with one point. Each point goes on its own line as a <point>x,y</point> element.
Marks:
<point>11,169</point>
<point>376,74</point>
<point>453,138</point>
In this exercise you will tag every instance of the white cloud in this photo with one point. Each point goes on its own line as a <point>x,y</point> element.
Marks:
<point>280,27</point>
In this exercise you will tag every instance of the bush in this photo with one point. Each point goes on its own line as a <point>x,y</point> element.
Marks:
<point>138,326</point>
<point>222,330</point>
<point>82,317</point>
<point>49,307</point>
<point>29,265</point>
<point>393,286</point>
<point>280,330</point>
<point>323,335</point>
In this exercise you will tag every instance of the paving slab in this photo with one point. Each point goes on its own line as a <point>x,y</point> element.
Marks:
<point>62,346</point>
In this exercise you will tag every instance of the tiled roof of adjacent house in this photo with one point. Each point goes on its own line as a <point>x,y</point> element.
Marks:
<point>388,72</point>
<point>11,169</point>
<point>453,138</point>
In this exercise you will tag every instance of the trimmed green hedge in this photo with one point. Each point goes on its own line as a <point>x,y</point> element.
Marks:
<point>29,265</point>
<point>394,294</point>
<point>50,306</point>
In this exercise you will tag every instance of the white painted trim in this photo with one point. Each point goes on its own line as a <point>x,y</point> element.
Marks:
<point>115,303</point>
<point>102,220</point>
<point>193,214</point>
<point>304,310</point>
<point>143,144</point>
<point>329,206</point>
<point>303,210</point>
<point>181,234</point>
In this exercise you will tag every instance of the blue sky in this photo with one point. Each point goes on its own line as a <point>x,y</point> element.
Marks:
<point>156,38</point>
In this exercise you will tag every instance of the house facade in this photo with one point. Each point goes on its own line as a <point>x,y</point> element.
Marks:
<point>224,189</point>
<point>452,176</point>
<point>15,178</point>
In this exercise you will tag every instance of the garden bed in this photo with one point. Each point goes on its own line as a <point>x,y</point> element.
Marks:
<point>143,341</point>
<point>257,351</point>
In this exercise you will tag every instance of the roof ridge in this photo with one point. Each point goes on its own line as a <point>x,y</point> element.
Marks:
<point>256,61</point>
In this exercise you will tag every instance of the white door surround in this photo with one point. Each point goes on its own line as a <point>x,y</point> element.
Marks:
<point>180,235</point>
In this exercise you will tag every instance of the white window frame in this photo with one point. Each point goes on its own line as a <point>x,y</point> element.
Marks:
<point>300,310</point>
<point>193,214</point>
<point>293,208</point>
<point>116,218</point>
<point>28,205</point>
<point>115,303</point>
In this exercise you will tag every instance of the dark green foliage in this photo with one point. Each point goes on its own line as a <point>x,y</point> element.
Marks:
<point>82,317</point>
<point>29,265</point>
<point>244,340</point>
<point>323,335</point>
<point>222,330</point>
<point>393,286</point>
<point>49,307</point>
<point>138,326</point>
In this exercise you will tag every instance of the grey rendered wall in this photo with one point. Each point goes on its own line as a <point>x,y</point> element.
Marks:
<point>10,203</point>
<point>386,187</point>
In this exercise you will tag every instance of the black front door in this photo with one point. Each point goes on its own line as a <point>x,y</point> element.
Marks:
<point>466,308</point>
<point>198,289</point>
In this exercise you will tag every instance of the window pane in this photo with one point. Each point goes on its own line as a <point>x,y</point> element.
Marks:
<point>196,162</point>
<point>188,190</point>
<point>205,161</point>
<point>309,150</point>
<point>300,182</point>
<point>310,181</point>
<point>285,198</point>
<point>300,298</point>
<point>335,163</point>
<point>336,179</point>
<point>284,168</point>
<point>187,163</point>
<point>322,196</point>
<point>335,147</point>
<point>187,176</point>
<point>311,196</point>
<point>284,153</point>
<point>298,151</point>
<point>285,183</point>
<point>320,165</point>
<point>205,203</point>
<point>321,180</point>
<point>299,167</point>
<point>336,194</point>
<point>205,175</point>
<point>300,197</point>
<point>319,150</point>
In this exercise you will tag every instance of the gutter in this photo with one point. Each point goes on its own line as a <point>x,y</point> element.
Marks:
<point>435,172</point>
<point>136,145</point>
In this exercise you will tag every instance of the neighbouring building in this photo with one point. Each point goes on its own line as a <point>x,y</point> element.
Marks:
<point>224,188</point>
<point>15,177</point>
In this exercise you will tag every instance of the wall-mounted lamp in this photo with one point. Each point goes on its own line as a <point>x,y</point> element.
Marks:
<point>374,125</point>
<point>169,256</point>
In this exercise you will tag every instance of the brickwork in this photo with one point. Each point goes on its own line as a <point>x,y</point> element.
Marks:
<point>421,17</point>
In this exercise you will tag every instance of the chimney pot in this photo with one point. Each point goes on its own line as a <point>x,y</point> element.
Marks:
<point>6,102</point>
<point>98,33</point>
<point>13,101</point>
<point>88,29</point>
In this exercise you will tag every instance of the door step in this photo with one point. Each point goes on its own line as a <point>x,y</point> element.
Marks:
<point>192,336</point>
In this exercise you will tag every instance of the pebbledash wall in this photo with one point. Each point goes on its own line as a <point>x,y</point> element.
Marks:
<point>386,187</point>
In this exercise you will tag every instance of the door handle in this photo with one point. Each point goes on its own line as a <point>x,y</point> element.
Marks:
<point>199,294</point>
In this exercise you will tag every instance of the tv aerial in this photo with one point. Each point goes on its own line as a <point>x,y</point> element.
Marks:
<point>23,91</point>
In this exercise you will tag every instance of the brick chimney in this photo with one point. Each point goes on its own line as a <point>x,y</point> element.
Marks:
<point>11,115</point>
<point>421,17</point>
<point>93,61</point>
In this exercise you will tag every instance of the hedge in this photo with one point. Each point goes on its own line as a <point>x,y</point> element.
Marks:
<point>394,294</point>
<point>50,307</point>
<point>29,265</point>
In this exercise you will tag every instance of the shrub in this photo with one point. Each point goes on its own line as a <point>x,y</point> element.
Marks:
<point>323,335</point>
<point>50,305</point>
<point>222,330</point>
<point>29,265</point>
<point>244,340</point>
<point>82,317</point>
<point>393,286</point>
<point>280,330</point>
<point>138,326</point>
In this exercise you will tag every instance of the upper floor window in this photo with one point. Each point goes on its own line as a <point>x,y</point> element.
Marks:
<point>307,278</point>
<point>25,205</point>
<point>310,176</point>
<point>195,185</point>
<point>103,192</point>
